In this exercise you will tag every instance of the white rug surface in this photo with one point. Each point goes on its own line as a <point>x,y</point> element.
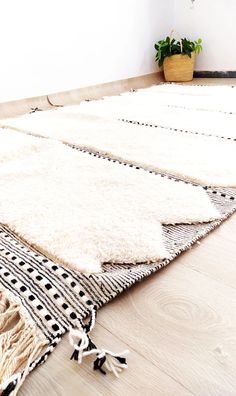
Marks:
<point>195,90</point>
<point>167,105</point>
<point>155,112</point>
<point>218,99</point>
<point>185,155</point>
<point>14,146</point>
<point>84,211</point>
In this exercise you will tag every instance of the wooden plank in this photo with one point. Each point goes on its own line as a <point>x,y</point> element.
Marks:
<point>184,323</point>
<point>60,376</point>
<point>215,257</point>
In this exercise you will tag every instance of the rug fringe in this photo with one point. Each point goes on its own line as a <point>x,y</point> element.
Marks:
<point>21,342</point>
<point>83,346</point>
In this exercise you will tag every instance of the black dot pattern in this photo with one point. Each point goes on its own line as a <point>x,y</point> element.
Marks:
<point>73,315</point>
<point>175,129</point>
<point>66,297</point>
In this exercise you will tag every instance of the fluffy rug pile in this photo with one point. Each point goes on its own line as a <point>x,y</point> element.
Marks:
<point>185,155</point>
<point>95,204</point>
<point>85,211</point>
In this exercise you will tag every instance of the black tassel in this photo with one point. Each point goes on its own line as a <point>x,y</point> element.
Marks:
<point>91,345</point>
<point>10,387</point>
<point>120,359</point>
<point>75,354</point>
<point>98,363</point>
<point>87,347</point>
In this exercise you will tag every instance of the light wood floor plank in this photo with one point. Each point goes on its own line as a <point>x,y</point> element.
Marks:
<point>216,256</point>
<point>184,323</point>
<point>61,377</point>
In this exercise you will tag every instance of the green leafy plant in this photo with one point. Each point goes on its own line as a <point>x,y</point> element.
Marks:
<point>171,46</point>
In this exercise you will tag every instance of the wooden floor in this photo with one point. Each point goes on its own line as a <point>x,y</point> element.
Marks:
<point>179,324</point>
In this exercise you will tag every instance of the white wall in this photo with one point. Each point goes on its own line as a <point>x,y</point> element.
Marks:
<point>54,45</point>
<point>215,22</point>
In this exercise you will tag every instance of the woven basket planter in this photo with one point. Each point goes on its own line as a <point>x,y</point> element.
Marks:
<point>179,67</point>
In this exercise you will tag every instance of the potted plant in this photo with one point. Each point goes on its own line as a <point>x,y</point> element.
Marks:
<point>177,57</point>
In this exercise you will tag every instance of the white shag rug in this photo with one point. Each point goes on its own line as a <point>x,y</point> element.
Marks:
<point>193,90</point>
<point>208,99</point>
<point>202,122</point>
<point>185,155</point>
<point>154,110</point>
<point>84,211</point>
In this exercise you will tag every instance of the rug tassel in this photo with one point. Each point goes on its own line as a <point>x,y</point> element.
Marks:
<point>20,343</point>
<point>83,346</point>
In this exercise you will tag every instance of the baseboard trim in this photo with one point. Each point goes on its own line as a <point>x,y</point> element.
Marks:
<point>215,74</point>
<point>106,89</point>
<point>22,106</point>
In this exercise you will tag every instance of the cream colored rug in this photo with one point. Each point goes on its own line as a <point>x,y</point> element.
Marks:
<point>186,120</point>
<point>85,211</point>
<point>168,116</point>
<point>220,99</point>
<point>81,210</point>
<point>186,155</point>
<point>193,90</point>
